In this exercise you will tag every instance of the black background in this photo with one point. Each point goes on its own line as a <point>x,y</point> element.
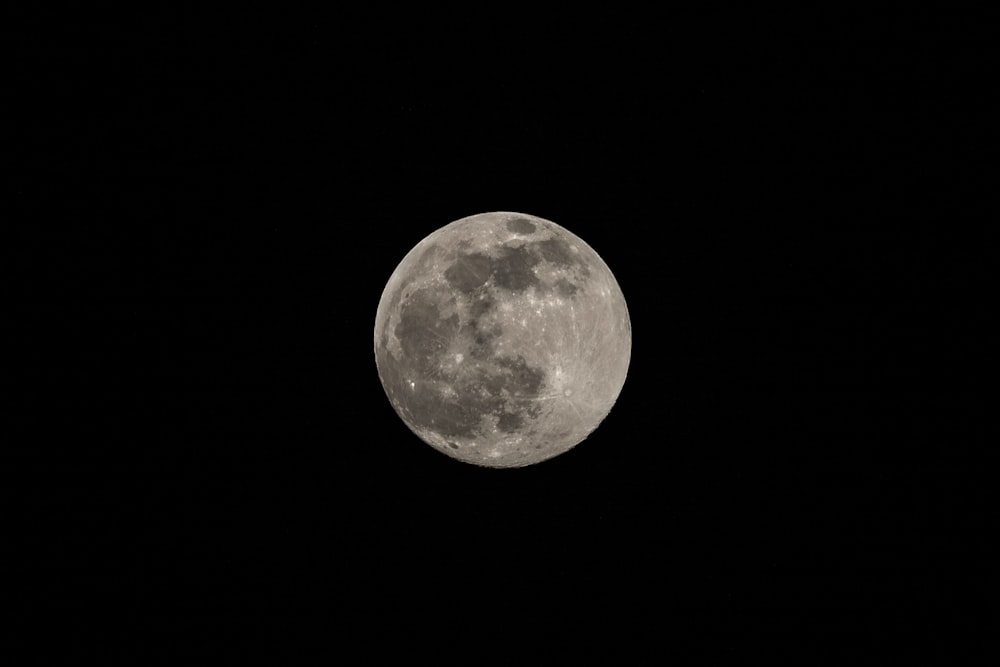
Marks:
<point>794,216</point>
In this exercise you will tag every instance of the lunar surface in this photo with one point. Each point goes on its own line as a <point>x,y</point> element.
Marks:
<point>502,340</point>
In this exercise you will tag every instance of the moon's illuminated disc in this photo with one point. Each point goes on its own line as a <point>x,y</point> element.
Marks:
<point>502,339</point>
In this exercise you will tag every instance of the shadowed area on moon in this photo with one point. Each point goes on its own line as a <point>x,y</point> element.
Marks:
<point>514,270</point>
<point>456,373</point>
<point>521,226</point>
<point>488,383</point>
<point>469,272</point>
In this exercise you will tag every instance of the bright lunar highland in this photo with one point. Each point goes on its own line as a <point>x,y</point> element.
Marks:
<point>502,340</point>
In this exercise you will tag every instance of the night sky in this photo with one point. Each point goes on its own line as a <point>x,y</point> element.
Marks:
<point>788,474</point>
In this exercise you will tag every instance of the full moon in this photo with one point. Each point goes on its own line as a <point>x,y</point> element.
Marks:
<point>502,340</point>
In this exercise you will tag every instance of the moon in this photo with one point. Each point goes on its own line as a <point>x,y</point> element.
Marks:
<point>502,340</point>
